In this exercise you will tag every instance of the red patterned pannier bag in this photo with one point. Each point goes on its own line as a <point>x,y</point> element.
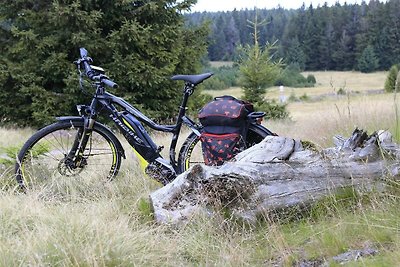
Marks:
<point>225,125</point>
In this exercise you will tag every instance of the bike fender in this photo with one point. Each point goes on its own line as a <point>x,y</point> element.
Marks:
<point>100,125</point>
<point>263,129</point>
<point>69,118</point>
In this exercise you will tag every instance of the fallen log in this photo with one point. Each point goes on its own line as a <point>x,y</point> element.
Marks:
<point>277,173</point>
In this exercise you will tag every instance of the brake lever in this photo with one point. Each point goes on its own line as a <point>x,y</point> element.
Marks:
<point>81,80</point>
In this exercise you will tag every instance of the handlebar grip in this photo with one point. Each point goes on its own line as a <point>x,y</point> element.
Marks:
<point>88,70</point>
<point>109,83</point>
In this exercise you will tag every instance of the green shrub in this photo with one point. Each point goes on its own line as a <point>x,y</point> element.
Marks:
<point>273,109</point>
<point>341,91</point>
<point>391,78</point>
<point>224,77</point>
<point>215,84</point>
<point>10,154</point>
<point>311,79</point>
<point>292,77</point>
<point>304,97</point>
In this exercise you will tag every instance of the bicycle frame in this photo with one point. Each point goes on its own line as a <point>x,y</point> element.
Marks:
<point>129,121</point>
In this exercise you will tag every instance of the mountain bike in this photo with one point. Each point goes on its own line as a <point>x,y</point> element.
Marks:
<point>81,145</point>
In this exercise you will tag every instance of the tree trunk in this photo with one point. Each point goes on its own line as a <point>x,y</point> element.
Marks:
<point>277,173</point>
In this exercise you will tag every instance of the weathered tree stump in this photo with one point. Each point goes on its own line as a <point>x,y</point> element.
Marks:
<point>277,173</point>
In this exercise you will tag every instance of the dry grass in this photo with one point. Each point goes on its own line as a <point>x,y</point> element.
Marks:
<point>110,224</point>
<point>351,80</point>
<point>13,136</point>
<point>319,121</point>
<point>328,83</point>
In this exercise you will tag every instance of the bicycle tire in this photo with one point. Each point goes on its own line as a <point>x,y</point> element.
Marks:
<point>191,151</point>
<point>42,158</point>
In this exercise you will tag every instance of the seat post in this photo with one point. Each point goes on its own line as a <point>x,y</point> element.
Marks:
<point>188,91</point>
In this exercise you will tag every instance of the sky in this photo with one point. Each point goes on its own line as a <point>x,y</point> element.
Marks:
<point>229,5</point>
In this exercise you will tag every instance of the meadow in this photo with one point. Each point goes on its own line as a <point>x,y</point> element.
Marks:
<point>93,223</point>
<point>328,84</point>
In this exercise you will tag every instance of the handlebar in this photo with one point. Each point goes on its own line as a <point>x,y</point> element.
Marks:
<point>108,82</point>
<point>85,61</point>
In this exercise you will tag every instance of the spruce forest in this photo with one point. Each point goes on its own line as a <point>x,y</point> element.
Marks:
<point>361,37</point>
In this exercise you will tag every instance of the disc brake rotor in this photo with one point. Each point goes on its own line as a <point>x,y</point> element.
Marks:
<point>66,167</point>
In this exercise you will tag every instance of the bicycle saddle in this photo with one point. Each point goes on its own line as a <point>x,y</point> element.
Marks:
<point>193,79</point>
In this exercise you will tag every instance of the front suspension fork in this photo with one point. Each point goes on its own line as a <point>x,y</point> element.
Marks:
<point>75,158</point>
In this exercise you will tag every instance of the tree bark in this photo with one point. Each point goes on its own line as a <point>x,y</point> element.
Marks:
<point>278,173</point>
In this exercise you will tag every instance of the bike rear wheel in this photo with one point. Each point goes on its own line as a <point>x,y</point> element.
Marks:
<point>43,158</point>
<point>191,151</point>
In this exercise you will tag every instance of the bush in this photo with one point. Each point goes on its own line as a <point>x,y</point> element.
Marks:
<point>9,154</point>
<point>341,91</point>
<point>224,78</point>
<point>304,97</point>
<point>292,77</point>
<point>273,109</point>
<point>311,79</point>
<point>390,83</point>
<point>215,84</point>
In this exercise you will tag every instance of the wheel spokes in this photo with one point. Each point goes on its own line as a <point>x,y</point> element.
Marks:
<point>47,159</point>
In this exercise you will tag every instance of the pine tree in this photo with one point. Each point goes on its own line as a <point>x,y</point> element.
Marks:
<point>139,43</point>
<point>295,54</point>
<point>393,23</point>
<point>217,48</point>
<point>325,47</point>
<point>257,69</point>
<point>368,62</point>
<point>363,31</point>
<point>378,32</point>
<point>231,35</point>
<point>312,39</point>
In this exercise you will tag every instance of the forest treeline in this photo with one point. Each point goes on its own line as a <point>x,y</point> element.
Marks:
<point>341,37</point>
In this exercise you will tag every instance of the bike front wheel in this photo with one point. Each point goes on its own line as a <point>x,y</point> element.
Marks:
<point>43,158</point>
<point>191,152</point>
